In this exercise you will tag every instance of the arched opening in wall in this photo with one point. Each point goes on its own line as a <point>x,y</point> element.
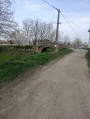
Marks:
<point>47,49</point>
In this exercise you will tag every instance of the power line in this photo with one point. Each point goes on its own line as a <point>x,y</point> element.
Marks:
<point>77,10</point>
<point>58,19</point>
<point>66,11</point>
<point>76,24</point>
<point>69,24</point>
<point>50,5</point>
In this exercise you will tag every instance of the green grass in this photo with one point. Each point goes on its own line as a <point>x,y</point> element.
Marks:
<point>13,52</point>
<point>88,57</point>
<point>11,66</point>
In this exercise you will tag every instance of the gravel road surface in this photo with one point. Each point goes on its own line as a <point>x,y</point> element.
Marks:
<point>59,90</point>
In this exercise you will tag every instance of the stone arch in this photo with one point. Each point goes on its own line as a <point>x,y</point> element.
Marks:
<point>45,48</point>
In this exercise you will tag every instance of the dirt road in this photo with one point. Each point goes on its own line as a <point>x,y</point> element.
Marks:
<point>58,91</point>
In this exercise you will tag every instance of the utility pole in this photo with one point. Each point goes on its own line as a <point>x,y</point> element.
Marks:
<point>89,39</point>
<point>57,30</point>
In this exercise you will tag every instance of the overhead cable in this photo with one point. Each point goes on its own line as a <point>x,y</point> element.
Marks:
<point>77,10</point>
<point>69,24</point>
<point>76,24</point>
<point>50,5</point>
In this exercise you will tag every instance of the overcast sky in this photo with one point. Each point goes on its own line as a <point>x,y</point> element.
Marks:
<point>37,9</point>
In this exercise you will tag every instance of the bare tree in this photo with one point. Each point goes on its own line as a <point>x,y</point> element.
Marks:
<point>37,30</point>
<point>19,38</point>
<point>77,42</point>
<point>27,26</point>
<point>50,32</point>
<point>66,40</point>
<point>31,29</point>
<point>44,31</point>
<point>6,20</point>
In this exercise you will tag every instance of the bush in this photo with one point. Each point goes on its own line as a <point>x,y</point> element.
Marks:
<point>28,46</point>
<point>24,47</point>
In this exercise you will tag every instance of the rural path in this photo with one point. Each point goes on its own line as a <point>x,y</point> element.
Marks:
<point>60,90</point>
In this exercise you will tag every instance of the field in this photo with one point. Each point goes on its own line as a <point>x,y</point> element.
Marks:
<point>16,60</point>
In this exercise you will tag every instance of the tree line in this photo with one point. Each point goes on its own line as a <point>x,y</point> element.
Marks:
<point>31,31</point>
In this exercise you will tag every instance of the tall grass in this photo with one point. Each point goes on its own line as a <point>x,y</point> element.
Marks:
<point>14,52</point>
<point>9,69</point>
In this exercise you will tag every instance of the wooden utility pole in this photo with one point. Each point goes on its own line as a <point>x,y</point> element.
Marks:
<point>89,39</point>
<point>57,30</point>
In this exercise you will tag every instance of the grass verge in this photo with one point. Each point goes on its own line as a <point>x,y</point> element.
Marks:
<point>14,53</point>
<point>9,69</point>
<point>88,57</point>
